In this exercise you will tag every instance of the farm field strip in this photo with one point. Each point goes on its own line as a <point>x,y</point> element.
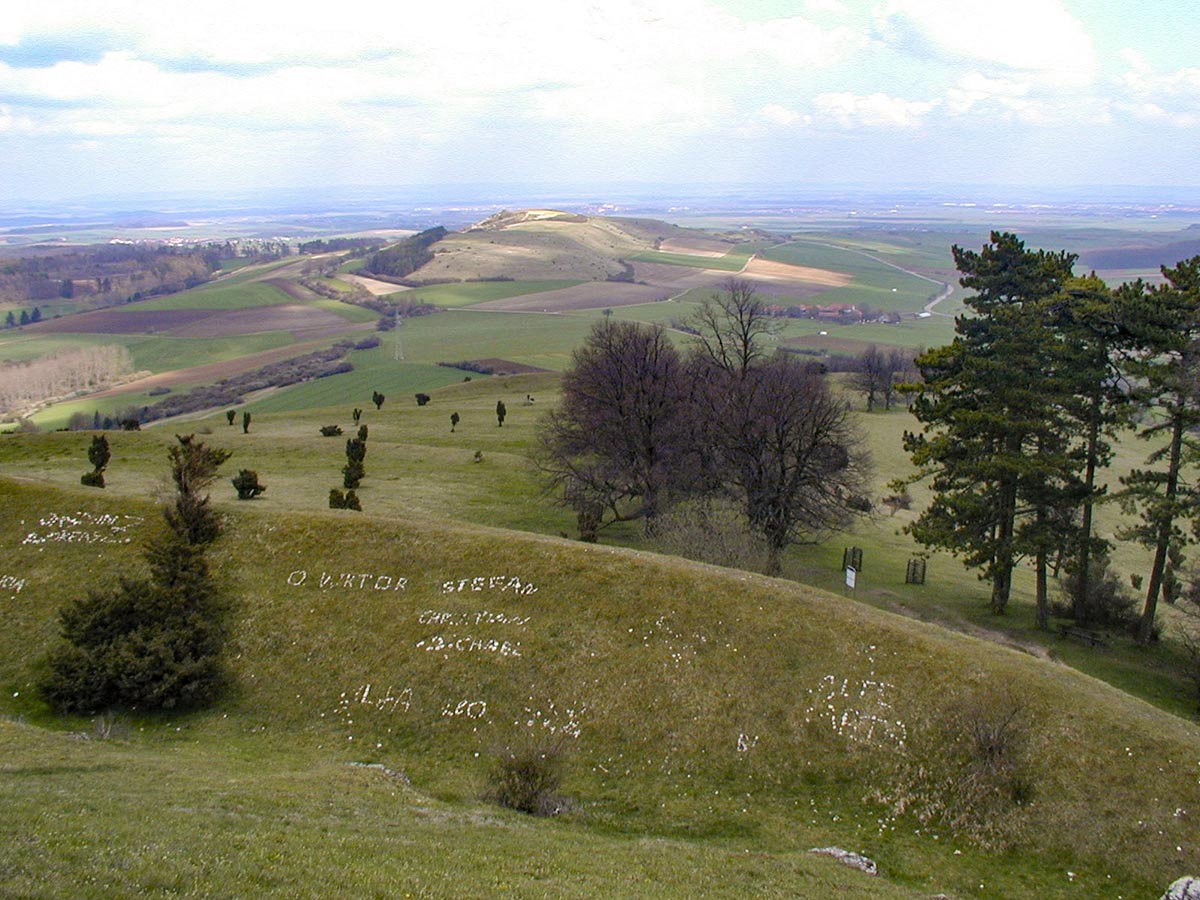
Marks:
<point>217,296</point>
<point>729,262</point>
<point>480,292</point>
<point>882,284</point>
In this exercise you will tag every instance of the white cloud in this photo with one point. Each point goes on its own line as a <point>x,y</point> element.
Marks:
<point>1171,98</point>
<point>637,64</point>
<point>774,114</point>
<point>833,7</point>
<point>1036,37</point>
<point>12,124</point>
<point>872,111</point>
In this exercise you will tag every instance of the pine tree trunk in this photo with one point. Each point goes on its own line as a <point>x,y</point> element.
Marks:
<point>1043,598</point>
<point>1083,603</point>
<point>1163,541</point>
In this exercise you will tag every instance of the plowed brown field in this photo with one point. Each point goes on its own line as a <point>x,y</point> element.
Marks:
<point>300,320</point>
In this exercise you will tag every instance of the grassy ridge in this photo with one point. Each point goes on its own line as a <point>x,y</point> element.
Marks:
<point>705,713</point>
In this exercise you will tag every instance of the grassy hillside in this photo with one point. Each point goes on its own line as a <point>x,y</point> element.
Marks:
<point>715,725</point>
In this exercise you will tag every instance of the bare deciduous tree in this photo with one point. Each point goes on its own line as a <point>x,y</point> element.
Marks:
<point>788,450</point>
<point>616,441</point>
<point>729,325</point>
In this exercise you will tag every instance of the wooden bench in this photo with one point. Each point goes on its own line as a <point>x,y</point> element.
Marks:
<point>1083,635</point>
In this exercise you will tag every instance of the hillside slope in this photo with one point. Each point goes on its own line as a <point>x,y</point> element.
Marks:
<point>544,244</point>
<point>712,710</point>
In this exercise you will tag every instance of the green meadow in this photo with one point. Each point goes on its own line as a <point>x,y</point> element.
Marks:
<point>733,261</point>
<point>216,296</point>
<point>468,293</point>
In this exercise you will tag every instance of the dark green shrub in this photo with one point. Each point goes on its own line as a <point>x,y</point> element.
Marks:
<point>156,642</point>
<point>99,453</point>
<point>348,500</point>
<point>92,479</point>
<point>422,399</point>
<point>247,484</point>
<point>352,474</point>
<point>331,430</point>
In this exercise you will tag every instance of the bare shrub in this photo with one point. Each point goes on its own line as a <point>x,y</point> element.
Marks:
<point>709,530</point>
<point>969,769</point>
<point>109,726</point>
<point>527,778</point>
<point>1109,603</point>
<point>1189,638</point>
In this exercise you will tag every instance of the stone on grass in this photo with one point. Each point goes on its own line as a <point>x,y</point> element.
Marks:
<point>847,858</point>
<point>1184,889</point>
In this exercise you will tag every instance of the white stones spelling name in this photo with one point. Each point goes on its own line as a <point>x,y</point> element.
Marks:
<point>84,528</point>
<point>482,617</point>
<point>11,582</point>
<point>387,700</point>
<point>348,581</point>
<point>471,709</point>
<point>453,643</point>
<point>501,583</point>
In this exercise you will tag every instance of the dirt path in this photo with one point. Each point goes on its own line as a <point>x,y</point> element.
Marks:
<point>937,615</point>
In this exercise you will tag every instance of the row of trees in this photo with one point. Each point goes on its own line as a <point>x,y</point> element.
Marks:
<point>12,319</point>
<point>642,427</point>
<point>1021,409</point>
<point>24,385</point>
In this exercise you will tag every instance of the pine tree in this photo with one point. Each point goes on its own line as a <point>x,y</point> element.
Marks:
<point>154,642</point>
<point>1166,323</point>
<point>992,418</point>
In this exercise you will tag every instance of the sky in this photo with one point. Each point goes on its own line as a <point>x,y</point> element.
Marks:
<point>130,97</point>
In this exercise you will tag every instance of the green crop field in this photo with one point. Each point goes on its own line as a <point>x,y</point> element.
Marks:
<point>733,261</point>
<point>876,283</point>
<point>222,295</point>
<point>469,293</point>
<point>21,346</point>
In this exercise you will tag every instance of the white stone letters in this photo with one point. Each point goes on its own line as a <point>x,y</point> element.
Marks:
<point>348,581</point>
<point>83,528</point>
<point>11,582</point>
<point>500,583</point>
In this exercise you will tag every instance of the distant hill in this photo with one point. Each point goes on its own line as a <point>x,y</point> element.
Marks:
<point>536,244</point>
<point>1145,257</point>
